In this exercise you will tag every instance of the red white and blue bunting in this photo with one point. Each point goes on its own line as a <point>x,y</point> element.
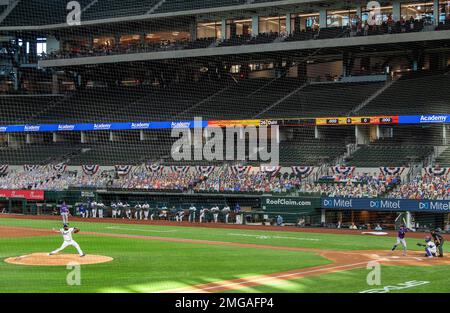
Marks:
<point>240,169</point>
<point>59,168</point>
<point>392,170</point>
<point>4,169</point>
<point>180,169</point>
<point>123,169</point>
<point>303,171</point>
<point>90,169</point>
<point>205,170</point>
<point>437,171</point>
<point>154,168</point>
<point>272,170</point>
<point>31,168</point>
<point>343,170</point>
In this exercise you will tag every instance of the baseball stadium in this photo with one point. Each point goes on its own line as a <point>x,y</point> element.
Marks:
<point>224,146</point>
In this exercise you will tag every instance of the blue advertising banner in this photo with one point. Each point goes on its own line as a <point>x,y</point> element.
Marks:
<point>99,126</point>
<point>424,119</point>
<point>392,205</point>
<point>405,119</point>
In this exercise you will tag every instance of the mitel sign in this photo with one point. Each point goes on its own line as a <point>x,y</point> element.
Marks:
<point>337,203</point>
<point>434,206</point>
<point>385,204</point>
<point>392,205</point>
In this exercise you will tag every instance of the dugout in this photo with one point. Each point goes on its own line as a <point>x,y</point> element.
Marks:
<point>255,208</point>
<point>425,220</point>
<point>361,218</point>
<point>14,205</point>
<point>368,219</point>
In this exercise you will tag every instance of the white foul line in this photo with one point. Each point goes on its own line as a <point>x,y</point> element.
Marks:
<point>144,230</point>
<point>273,237</point>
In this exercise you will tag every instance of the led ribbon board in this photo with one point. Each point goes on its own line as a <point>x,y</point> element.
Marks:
<point>287,122</point>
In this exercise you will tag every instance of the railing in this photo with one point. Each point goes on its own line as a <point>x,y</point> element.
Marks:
<point>324,33</point>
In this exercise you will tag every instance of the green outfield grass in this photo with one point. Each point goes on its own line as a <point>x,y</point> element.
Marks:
<point>150,266</point>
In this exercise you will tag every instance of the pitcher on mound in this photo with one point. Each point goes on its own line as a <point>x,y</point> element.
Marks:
<point>67,232</point>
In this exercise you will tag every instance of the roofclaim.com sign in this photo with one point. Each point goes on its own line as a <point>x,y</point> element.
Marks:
<point>288,204</point>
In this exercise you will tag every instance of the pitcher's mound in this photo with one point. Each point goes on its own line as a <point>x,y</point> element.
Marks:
<point>43,259</point>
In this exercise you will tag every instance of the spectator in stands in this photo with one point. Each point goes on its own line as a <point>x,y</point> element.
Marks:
<point>411,23</point>
<point>315,26</point>
<point>359,26</point>
<point>390,23</point>
<point>366,28</point>
<point>402,24</point>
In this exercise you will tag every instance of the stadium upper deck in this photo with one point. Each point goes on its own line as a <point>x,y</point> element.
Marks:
<point>151,29</point>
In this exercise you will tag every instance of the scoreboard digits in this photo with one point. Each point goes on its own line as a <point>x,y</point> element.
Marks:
<point>386,120</point>
<point>365,120</point>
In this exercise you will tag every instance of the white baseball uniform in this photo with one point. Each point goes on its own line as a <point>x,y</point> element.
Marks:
<point>145,208</point>
<point>192,211</point>
<point>138,212</point>
<point>68,241</point>
<point>100,206</point>
<point>114,210</point>
<point>94,209</point>
<point>430,249</point>
<point>215,211</point>
<point>226,210</point>
<point>128,211</point>
<point>202,215</point>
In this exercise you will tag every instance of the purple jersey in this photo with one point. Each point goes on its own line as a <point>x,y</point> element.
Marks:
<point>402,232</point>
<point>64,209</point>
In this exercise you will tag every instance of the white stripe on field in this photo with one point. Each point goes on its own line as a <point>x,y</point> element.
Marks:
<point>274,237</point>
<point>144,230</point>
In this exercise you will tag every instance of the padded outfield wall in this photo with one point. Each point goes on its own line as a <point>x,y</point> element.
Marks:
<point>313,210</point>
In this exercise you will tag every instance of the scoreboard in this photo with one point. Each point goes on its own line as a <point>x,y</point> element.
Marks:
<point>323,121</point>
<point>357,120</point>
